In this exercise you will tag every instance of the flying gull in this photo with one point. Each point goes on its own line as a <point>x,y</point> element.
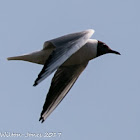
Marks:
<point>69,56</point>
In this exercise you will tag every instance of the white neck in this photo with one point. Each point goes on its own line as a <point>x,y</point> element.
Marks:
<point>92,48</point>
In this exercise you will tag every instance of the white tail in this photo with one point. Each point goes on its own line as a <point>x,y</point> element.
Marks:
<point>16,58</point>
<point>38,57</point>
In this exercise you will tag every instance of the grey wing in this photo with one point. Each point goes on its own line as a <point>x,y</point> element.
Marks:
<point>65,47</point>
<point>62,82</point>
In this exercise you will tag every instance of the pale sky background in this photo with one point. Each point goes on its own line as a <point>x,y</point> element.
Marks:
<point>104,104</point>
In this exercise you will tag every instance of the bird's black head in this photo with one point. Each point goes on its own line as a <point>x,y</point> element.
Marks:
<point>102,48</point>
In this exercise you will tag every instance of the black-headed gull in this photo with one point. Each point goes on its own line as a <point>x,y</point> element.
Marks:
<point>69,55</point>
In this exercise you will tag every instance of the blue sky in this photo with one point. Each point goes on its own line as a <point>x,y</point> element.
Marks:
<point>104,102</point>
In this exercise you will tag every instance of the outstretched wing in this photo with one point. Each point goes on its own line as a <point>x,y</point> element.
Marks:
<point>62,82</point>
<point>65,47</point>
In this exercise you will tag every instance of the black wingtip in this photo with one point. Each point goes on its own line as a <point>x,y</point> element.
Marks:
<point>41,119</point>
<point>35,84</point>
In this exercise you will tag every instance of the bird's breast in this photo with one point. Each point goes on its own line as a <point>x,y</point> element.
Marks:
<point>86,53</point>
